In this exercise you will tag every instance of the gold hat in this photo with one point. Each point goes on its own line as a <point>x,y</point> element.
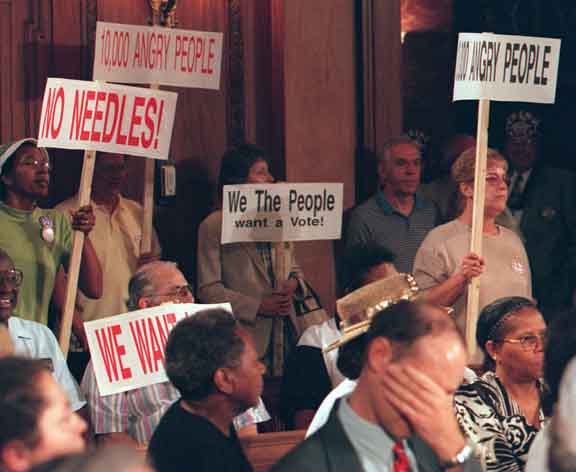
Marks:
<point>357,308</point>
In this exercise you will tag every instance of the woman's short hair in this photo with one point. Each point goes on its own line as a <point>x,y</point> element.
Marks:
<point>236,163</point>
<point>197,347</point>
<point>21,401</point>
<point>464,167</point>
<point>491,325</point>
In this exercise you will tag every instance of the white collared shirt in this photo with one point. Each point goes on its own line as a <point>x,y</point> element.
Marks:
<point>36,341</point>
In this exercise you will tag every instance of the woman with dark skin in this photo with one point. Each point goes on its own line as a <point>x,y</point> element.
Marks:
<point>501,410</point>
<point>38,240</point>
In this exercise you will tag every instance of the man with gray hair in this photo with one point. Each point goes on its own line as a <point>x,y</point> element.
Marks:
<point>397,217</point>
<point>133,416</point>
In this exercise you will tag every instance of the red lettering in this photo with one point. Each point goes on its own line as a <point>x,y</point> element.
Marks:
<point>107,354</point>
<point>160,114</point>
<point>210,55</point>
<point>135,120</point>
<point>184,53</point>
<point>169,321</point>
<point>191,55</point>
<point>55,131</point>
<point>178,48</point>
<point>100,97</point>
<point>199,52</point>
<point>84,133</point>
<point>112,100</point>
<point>145,48</point>
<point>121,138</point>
<point>120,352</point>
<point>47,114</point>
<point>146,138</point>
<point>152,51</point>
<point>157,353</point>
<point>137,52</point>
<point>142,344</point>
<point>77,114</point>
<point>161,331</point>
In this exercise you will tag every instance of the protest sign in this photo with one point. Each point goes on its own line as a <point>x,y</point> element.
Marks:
<point>506,68</point>
<point>281,212</point>
<point>105,117</point>
<point>502,68</point>
<point>127,351</point>
<point>147,54</point>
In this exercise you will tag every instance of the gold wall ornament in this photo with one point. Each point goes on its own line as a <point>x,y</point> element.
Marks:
<point>163,12</point>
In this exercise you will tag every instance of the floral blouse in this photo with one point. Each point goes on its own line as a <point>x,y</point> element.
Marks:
<point>493,420</point>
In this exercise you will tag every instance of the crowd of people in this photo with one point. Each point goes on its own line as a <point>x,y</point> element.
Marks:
<point>385,383</point>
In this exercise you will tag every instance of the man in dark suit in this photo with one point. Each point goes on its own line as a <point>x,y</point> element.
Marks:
<point>400,416</point>
<point>542,201</point>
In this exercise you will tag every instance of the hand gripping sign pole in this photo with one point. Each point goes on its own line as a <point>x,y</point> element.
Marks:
<point>111,118</point>
<point>76,256</point>
<point>503,68</point>
<point>477,221</point>
<point>279,214</point>
<point>282,264</point>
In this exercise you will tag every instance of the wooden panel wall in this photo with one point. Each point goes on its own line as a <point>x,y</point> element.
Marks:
<point>289,83</point>
<point>25,31</point>
<point>320,111</point>
<point>381,97</point>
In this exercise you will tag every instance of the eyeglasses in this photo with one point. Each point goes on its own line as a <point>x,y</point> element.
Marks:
<point>495,180</point>
<point>12,278</point>
<point>529,342</point>
<point>31,161</point>
<point>182,291</point>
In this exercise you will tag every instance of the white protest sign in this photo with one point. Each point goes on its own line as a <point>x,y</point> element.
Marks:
<point>281,212</point>
<point>506,68</point>
<point>149,54</point>
<point>105,117</point>
<point>127,351</point>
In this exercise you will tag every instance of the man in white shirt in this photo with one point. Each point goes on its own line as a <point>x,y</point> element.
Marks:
<point>400,415</point>
<point>28,338</point>
<point>116,238</point>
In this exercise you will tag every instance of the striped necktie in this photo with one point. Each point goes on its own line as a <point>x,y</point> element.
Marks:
<point>401,463</point>
<point>516,193</point>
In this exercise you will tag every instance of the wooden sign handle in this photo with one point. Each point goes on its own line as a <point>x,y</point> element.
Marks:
<point>473,304</point>
<point>76,256</point>
<point>148,201</point>
<point>282,265</point>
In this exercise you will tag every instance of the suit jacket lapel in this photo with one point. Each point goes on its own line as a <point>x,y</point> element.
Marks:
<point>340,452</point>
<point>527,195</point>
<point>254,254</point>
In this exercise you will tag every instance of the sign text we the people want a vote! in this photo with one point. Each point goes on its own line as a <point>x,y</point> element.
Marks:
<point>106,117</point>
<point>281,212</point>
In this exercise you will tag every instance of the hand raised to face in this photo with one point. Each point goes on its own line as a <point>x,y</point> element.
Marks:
<point>426,406</point>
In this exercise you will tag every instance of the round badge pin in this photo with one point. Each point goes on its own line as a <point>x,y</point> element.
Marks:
<point>47,226</point>
<point>518,266</point>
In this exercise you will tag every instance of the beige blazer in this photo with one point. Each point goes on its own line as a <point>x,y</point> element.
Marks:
<point>235,273</point>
